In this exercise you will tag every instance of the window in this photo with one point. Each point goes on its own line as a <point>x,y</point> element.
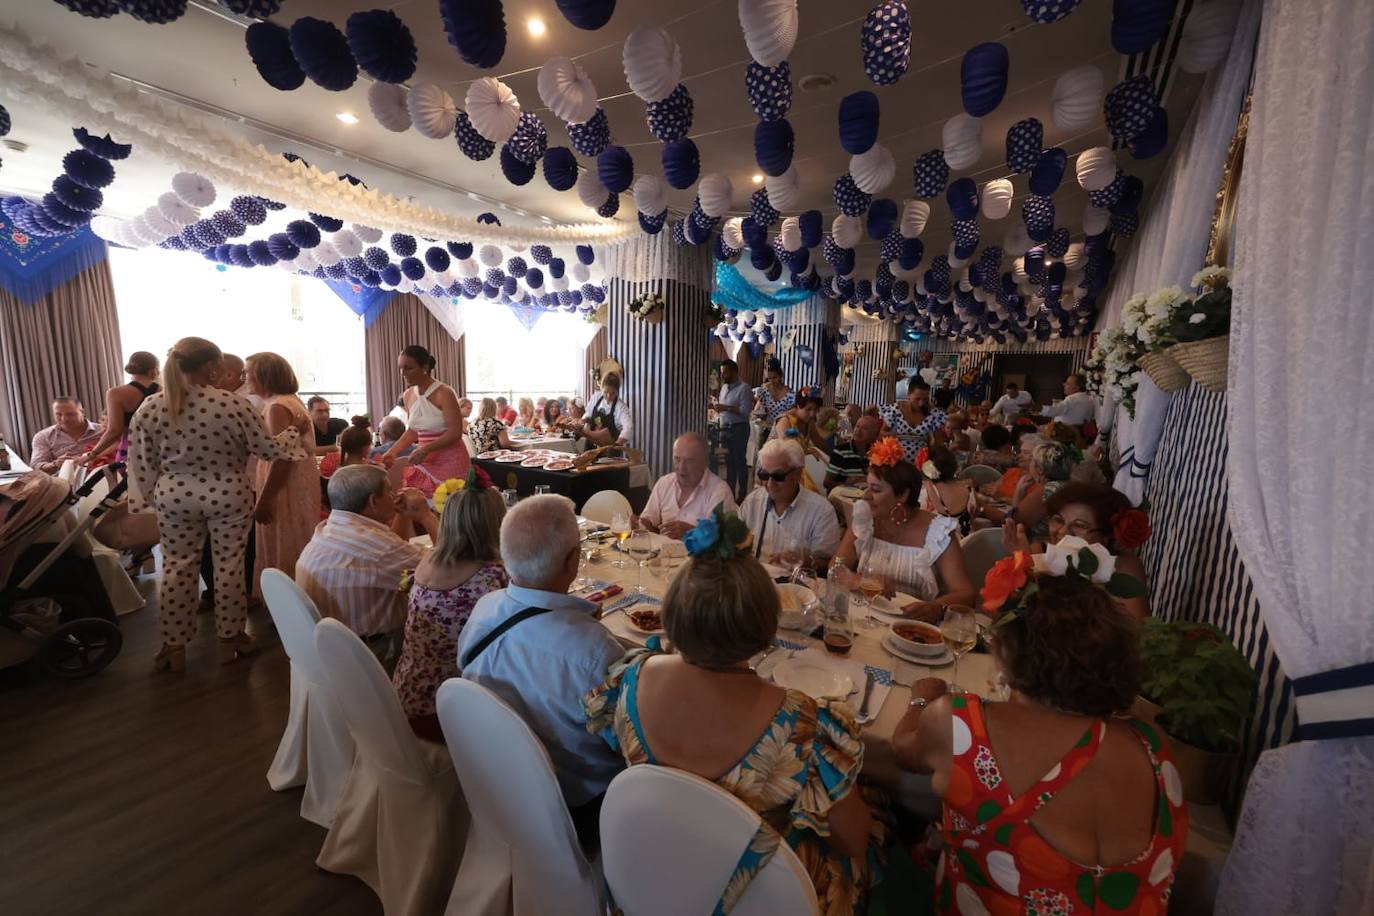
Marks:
<point>505,359</point>
<point>162,296</point>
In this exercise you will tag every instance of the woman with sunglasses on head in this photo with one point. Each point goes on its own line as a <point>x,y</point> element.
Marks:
<point>1099,515</point>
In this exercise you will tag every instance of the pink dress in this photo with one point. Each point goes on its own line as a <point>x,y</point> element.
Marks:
<point>427,421</point>
<point>297,502</point>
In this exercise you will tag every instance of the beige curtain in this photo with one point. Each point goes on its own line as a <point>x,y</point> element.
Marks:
<point>403,322</point>
<point>67,343</point>
<point>596,351</point>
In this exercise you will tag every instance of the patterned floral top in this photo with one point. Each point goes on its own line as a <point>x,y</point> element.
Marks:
<point>913,438</point>
<point>433,621</point>
<point>807,760</point>
<point>775,407</point>
<point>995,861</point>
<point>486,434</point>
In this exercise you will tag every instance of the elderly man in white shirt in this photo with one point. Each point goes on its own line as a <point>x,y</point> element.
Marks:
<point>789,522</point>
<point>680,499</point>
<point>1078,407</point>
<point>1012,404</point>
<point>542,650</point>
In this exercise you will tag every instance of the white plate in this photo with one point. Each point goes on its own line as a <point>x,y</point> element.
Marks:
<point>812,677</point>
<point>487,456</point>
<point>890,608</point>
<point>894,648</point>
<point>636,627</point>
<point>559,466</point>
<point>510,459</point>
<point>534,462</point>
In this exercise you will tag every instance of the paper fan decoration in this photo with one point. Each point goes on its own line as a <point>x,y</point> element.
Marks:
<point>493,109</point>
<point>560,168</point>
<point>590,190</point>
<point>784,191</point>
<point>681,163</point>
<point>858,122</point>
<point>1129,107</point>
<point>1207,35</point>
<point>774,144</point>
<point>567,90</point>
<point>381,44</point>
<point>193,190</point>
<point>477,31</point>
<point>387,101</point>
<point>322,51</point>
<point>983,78</point>
<point>431,110</point>
<point>962,140</point>
<point>591,136</point>
<point>847,230</point>
<point>930,174</point>
<point>714,193</point>
<point>530,139</point>
<point>1077,98</point>
<point>269,48</point>
<point>473,145</point>
<point>653,63</point>
<point>79,197</point>
<point>873,170</point>
<point>650,194</point>
<point>770,29</point>
<point>489,255</point>
<point>516,170</point>
<point>885,39</point>
<point>615,168</point>
<point>915,213</point>
<point>670,118</point>
<point>769,90</point>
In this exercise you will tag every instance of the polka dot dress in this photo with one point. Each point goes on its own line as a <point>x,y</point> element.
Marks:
<point>192,469</point>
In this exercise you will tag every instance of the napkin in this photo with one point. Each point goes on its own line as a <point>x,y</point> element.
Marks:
<point>882,678</point>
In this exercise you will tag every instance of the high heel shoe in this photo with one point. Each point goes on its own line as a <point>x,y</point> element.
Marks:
<point>236,646</point>
<point>170,658</point>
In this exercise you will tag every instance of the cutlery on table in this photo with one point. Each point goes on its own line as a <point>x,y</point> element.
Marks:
<point>868,694</point>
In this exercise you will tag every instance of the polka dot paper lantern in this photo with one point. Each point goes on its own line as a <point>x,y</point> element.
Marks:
<point>849,200</point>
<point>652,225</point>
<point>1151,142</point>
<point>591,136</point>
<point>769,90</point>
<point>1047,11</point>
<point>670,118</point>
<point>1025,139</point>
<point>530,139</point>
<point>472,144</point>
<point>930,174</point>
<point>761,210</point>
<point>885,41</point>
<point>1038,215</point>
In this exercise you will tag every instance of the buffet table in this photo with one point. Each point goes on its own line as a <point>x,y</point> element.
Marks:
<point>576,485</point>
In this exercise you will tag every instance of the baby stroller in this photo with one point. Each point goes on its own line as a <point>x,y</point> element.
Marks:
<point>52,601</point>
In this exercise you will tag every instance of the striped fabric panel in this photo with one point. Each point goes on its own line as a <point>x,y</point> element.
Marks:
<point>863,389</point>
<point>666,364</point>
<point>809,320</point>
<point>1196,572</point>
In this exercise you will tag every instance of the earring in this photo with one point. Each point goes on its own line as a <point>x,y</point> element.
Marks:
<point>892,516</point>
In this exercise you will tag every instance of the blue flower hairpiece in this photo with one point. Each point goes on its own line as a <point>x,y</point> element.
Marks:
<point>721,533</point>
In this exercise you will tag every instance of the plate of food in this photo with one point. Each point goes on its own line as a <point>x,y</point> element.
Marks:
<point>796,601</point>
<point>812,676</point>
<point>646,620</point>
<point>893,647</point>
<point>510,459</point>
<point>488,456</point>
<point>918,638</point>
<point>535,461</point>
<point>559,464</point>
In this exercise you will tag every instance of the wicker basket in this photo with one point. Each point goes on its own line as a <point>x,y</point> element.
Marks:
<point>1204,360</point>
<point>1164,372</point>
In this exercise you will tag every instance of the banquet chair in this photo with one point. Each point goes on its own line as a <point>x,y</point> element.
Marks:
<point>522,855</point>
<point>981,550</point>
<point>401,821</point>
<point>682,871</point>
<point>815,469</point>
<point>605,505</point>
<point>980,474</point>
<point>316,750</point>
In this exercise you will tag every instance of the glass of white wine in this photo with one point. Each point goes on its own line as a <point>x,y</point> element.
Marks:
<point>620,527</point>
<point>959,629</point>
<point>640,547</point>
<point>870,584</point>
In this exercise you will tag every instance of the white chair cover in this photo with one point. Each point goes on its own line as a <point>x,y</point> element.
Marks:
<point>981,550</point>
<point>603,506</point>
<point>522,855</point>
<point>401,821</point>
<point>670,842</point>
<point>316,750</point>
<point>815,469</point>
<point>980,474</point>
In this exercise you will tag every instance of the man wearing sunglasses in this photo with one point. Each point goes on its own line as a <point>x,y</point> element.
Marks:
<point>790,524</point>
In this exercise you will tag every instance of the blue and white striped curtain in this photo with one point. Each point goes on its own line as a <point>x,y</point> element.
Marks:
<point>878,338</point>
<point>808,321</point>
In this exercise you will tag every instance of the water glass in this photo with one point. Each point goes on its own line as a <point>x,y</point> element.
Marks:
<point>541,489</point>
<point>869,583</point>
<point>838,635</point>
<point>641,548</point>
<point>511,497</point>
<point>959,629</point>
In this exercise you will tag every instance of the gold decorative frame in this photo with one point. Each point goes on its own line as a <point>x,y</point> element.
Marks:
<point>1224,216</point>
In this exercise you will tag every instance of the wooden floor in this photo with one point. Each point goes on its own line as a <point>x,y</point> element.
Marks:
<point>135,792</point>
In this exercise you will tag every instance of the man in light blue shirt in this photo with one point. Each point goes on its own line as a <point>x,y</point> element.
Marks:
<point>733,406</point>
<point>544,663</point>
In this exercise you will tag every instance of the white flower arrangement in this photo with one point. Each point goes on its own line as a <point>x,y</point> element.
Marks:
<point>1057,558</point>
<point>1210,278</point>
<point>647,307</point>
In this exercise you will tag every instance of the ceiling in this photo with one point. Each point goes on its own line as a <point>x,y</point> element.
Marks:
<point>200,60</point>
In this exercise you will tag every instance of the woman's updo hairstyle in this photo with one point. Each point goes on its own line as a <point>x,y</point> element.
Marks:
<point>422,357</point>
<point>141,362</point>
<point>357,439</point>
<point>720,612</point>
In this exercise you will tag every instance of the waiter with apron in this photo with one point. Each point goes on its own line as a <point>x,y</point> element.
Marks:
<point>608,418</point>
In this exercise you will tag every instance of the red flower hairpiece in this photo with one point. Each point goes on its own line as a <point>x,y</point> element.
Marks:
<point>1131,528</point>
<point>885,453</point>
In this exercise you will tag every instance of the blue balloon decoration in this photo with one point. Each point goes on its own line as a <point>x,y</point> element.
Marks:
<point>681,163</point>
<point>615,168</point>
<point>774,143</point>
<point>476,29</point>
<point>382,45</point>
<point>1048,171</point>
<point>983,78</point>
<point>322,51</point>
<point>516,171</point>
<point>858,122</point>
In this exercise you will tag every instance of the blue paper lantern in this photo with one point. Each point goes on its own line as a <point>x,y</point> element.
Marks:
<point>391,275</point>
<point>1138,24</point>
<point>62,214</point>
<point>92,9</point>
<point>437,259</point>
<point>534,278</point>
<point>811,226</point>
<point>381,44</point>
<point>882,218</point>
<point>1105,198</point>
<point>774,143</point>
<point>303,234</point>
<point>587,14</point>
<point>560,168</point>
<point>681,163</point>
<point>848,198</point>
<point>769,89</point>
<point>762,258</point>
<point>87,169</point>
<point>5,121</point>
<point>1154,138</point>
<point>1128,200</point>
<point>322,51</point>
<point>615,168</point>
<point>172,244</point>
<point>753,233</point>
<point>591,136</point>
<point>858,122</point>
<point>376,258</point>
<point>460,250</point>
<point>930,174</point>
<point>891,247</point>
<point>476,29</point>
<point>912,252</point>
<point>1058,244</point>
<point>259,9</point>
<point>412,268</point>
<point>335,271</point>
<point>1048,171</point>
<point>239,256</point>
<point>269,48</point>
<point>983,78</point>
<point>356,267</point>
<point>472,287</point>
<point>541,254</point>
<point>557,268</point>
<point>510,286</point>
<point>404,245</point>
<point>1125,224</point>
<point>962,197</point>
<point>517,172</point>
<point>670,118</point>
<point>585,254</point>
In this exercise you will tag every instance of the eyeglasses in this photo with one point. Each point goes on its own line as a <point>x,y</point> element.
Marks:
<point>1076,528</point>
<point>775,476</point>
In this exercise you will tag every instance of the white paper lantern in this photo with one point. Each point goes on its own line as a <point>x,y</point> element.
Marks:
<point>770,29</point>
<point>997,195</point>
<point>715,193</point>
<point>1077,100</point>
<point>124,235</point>
<point>962,140</point>
<point>369,235</point>
<point>193,189</point>
<point>791,234</point>
<point>580,273</point>
<point>432,111</point>
<point>921,286</point>
<point>1207,35</point>
<point>590,190</point>
<point>653,63</point>
<point>464,268</point>
<point>1095,168</point>
<point>1018,270</point>
<point>1016,241</point>
<point>387,102</point>
<point>874,169</point>
<point>559,284</point>
<point>567,90</point>
<point>784,191</point>
<point>1074,259</point>
<point>493,109</point>
<point>347,243</point>
<point>650,194</point>
<point>1095,220</point>
<point>733,233</point>
<point>847,230</point>
<point>914,216</point>
<point>326,255</point>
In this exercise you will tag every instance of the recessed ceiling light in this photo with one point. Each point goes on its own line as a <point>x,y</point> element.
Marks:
<point>758,179</point>
<point>536,26</point>
<point>347,117</point>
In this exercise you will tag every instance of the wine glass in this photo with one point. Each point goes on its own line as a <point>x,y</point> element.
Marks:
<point>640,546</point>
<point>587,550</point>
<point>807,579</point>
<point>620,527</point>
<point>959,629</point>
<point>870,582</point>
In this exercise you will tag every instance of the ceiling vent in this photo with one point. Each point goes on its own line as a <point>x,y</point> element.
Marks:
<point>815,82</point>
<point>18,146</point>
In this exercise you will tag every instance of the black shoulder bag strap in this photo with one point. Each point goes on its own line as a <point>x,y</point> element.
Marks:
<point>499,630</point>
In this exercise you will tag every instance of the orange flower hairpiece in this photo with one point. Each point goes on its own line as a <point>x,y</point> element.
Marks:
<point>885,453</point>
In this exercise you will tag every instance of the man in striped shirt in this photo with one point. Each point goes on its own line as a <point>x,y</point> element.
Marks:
<point>353,565</point>
<point>849,463</point>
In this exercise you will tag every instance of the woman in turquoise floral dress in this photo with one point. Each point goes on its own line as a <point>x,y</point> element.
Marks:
<point>792,759</point>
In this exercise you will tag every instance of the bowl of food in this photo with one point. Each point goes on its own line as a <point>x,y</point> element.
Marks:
<point>918,638</point>
<point>799,606</point>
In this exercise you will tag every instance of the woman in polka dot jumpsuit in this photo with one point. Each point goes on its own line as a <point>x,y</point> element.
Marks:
<point>188,453</point>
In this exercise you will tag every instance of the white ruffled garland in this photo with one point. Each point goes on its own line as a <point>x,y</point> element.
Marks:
<point>31,72</point>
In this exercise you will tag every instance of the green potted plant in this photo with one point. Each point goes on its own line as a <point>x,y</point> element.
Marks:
<point>1201,689</point>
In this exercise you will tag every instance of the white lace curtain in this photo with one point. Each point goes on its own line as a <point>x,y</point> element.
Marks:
<point>1300,496</point>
